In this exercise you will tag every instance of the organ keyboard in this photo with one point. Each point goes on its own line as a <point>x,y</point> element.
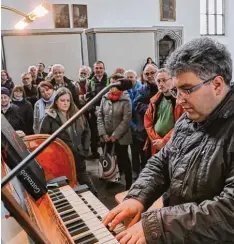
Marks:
<point>82,216</point>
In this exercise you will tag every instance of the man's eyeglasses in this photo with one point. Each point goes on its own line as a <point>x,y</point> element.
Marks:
<point>162,80</point>
<point>186,92</point>
<point>26,78</point>
<point>150,73</point>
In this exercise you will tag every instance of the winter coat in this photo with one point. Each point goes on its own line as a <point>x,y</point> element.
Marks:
<point>150,120</point>
<point>95,86</point>
<point>140,104</point>
<point>71,87</point>
<point>9,84</point>
<point>52,122</point>
<point>114,118</point>
<point>31,94</point>
<point>196,169</point>
<point>26,113</point>
<point>13,116</point>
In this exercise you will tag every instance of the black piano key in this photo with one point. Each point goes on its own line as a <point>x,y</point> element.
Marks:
<point>74,224</point>
<point>70,217</point>
<point>67,213</point>
<point>88,239</point>
<point>64,208</point>
<point>99,217</point>
<point>79,230</point>
<point>62,204</point>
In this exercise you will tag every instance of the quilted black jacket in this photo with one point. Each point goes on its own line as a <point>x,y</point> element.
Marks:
<point>196,169</point>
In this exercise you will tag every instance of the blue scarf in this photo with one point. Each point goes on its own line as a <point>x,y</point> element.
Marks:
<point>18,100</point>
<point>42,104</point>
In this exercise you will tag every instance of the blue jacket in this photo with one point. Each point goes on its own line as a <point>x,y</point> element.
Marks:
<point>140,105</point>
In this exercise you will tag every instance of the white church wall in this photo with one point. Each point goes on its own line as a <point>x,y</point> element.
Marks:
<point>112,13</point>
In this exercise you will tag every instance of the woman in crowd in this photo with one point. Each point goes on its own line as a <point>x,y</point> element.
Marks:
<point>76,136</point>
<point>18,97</point>
<point>114,120</point>
<point>6,81</point>
<point>10,111</point>
<point>46,96</point>
<point>149,61</point>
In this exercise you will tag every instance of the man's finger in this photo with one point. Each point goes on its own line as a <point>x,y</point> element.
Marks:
<point>110,216</point>
<point>118,218</point>
<point>120,235</point>
<point>125,238</point>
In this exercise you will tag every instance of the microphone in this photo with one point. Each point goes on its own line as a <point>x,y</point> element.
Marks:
<point>122,84</point>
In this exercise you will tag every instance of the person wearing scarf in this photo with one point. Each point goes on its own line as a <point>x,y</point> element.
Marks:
<point>46,95</point>
<point>114,120</point>
<point>10,111</point>
<point>18,97</point>
<point>76,136</point>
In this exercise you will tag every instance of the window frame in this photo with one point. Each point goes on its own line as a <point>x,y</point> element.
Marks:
<point>207,14</point>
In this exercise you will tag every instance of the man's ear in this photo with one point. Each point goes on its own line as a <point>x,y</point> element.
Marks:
<point>218,84</point>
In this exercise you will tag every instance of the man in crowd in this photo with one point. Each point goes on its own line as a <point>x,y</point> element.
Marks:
<point>82,83</point>
<point>162,113</point>
<point>30,89</point>
<point>34,73</point>
<point>41,73</point>
<point>138,138</point>
<point>142,100</point>
<point>196,167</point>
<point>96,84</point>
<point>60,80</point>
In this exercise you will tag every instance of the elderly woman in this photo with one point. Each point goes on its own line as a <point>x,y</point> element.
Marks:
<point>10,111</point>
<point>114,120</point>
<point>46,96</point>
<point>60,80</point>
<point>18,97</point>
<point>76,136</point>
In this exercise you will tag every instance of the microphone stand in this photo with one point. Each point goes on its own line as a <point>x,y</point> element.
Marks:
<point>33,154</point>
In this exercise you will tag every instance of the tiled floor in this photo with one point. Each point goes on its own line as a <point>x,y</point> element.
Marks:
<point>106,191</point>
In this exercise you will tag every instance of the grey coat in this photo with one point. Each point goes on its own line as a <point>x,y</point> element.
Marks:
<point>114,118</point>
<point>196,169</point>
<point>36,118</point>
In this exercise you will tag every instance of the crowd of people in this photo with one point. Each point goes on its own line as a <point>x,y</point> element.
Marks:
<point>178,122</point>
<point>46,100</point>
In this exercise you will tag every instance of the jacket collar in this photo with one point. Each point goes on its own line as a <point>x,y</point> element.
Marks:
<point>221,113</point>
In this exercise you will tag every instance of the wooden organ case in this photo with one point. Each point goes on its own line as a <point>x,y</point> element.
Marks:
<point>68,213</point>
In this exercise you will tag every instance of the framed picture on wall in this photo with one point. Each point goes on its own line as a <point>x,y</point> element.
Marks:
<point>61,15</point>
<point>167,10</point>
<point>80,16</point>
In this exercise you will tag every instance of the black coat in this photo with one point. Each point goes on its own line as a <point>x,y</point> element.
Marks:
<point>52,122</point>
<point>70,86</point>
<point>9,84</point>
<point>196,169</point>
<point>14,118</point>
<point>31,94</point>
<point>26,113</point>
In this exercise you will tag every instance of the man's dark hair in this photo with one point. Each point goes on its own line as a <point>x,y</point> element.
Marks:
<point>99,62</point>
<point>204,57</point>
<point>42,64</point>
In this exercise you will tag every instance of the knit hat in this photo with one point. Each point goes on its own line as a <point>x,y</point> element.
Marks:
<point>5,91</point>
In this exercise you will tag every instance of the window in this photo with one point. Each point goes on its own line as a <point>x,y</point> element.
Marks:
<point>212,17</point>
